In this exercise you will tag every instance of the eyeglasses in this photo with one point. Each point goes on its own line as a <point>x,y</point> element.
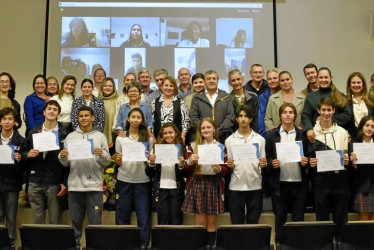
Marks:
<point>4,81</point>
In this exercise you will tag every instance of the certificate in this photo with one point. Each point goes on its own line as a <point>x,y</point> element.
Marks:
<point>329,160</point>
<point>364,153</point>
<point>6,154</point>
<point>246,153</point>
<point>290,151</point>
<point>46,141</point>
<point>210,154</point>
<point>167,153</point>
<point>80,149</point>
<point>134,152</point>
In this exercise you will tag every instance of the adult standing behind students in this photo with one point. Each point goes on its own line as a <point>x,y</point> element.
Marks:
<point>241,96</point>
<point>272,77</point>
<point>371,91</point>
<point>88,99</point>
<point>10,174</point>
<point>47,177</point>
<point>285,95</point>
<point>144,78</point>
<point>310,73</point>
<point>197,86</point>
<point>108,94</point>
<point>287,181</point>
<point>35,102</point>
<point>7,94</point>
<point>99,76</point>
<point>85,179</point>
<point>246,178</point>
<point>358,101</point>
<point>213,103</point>
<point>184,77</point>
<point>363,182</point>
<point>133,91</point>
<point>65,98</point>
<point>158,75</point>
<point>170,108</point>
<point>52,85</point>
<point>310,115</point>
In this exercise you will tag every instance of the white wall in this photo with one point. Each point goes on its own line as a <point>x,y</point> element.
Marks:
<point>332,33</point>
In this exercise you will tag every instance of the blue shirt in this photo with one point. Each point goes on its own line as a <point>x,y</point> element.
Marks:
<point>33,107</point>
<point>263,102</point>
<point>124,111</point>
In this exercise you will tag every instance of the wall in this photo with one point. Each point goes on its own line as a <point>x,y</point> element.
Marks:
<point>332,33</point>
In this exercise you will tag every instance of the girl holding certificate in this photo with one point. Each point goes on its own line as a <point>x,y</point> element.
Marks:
<point>132,186</point>
<point>363,183</point>
<point>167,180</point>
<point>246,178</point>
<point>205,184</point>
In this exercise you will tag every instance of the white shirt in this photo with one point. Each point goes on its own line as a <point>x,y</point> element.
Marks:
<point>359,110</point>
<point>201,43</point>
<point>5,142</point>
<point>66,102</point>
<point>168,178</point>
<point>289,172</point>
<point>245,176</point>
<point>95,92</point>
<point>131,172</point>
<point>212,99</point>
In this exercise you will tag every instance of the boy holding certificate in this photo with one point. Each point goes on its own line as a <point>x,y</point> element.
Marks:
<point>86,174</point>
<point>330,187</point>
<point>287,180</point>
<point>46,176</point>
<point>10,173</point>
<point>246,180</point>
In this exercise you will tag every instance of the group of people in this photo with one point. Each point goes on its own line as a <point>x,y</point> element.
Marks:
<point>260,112</point>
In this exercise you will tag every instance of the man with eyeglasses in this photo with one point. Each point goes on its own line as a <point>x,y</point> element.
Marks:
<point>99,76</point>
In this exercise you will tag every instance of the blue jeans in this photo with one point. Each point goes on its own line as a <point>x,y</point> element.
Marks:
<point>138,194</point>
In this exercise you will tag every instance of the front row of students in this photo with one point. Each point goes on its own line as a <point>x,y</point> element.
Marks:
<point>286,182</point>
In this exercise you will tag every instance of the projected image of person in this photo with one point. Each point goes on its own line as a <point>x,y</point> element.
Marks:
<point>137,64</point>
<point>240,40</point>
<point>136,38</point>
<point>192,37</point>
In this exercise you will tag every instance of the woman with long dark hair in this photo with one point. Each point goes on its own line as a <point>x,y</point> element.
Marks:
<point>136,39</point>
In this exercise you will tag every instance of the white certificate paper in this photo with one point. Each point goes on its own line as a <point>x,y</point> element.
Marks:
<point>246,153</point>
<point>329,160</point>
<point>46,141</point>
<point>80,149</point>
<point>290,151</point>
<point>134,152</point>
<point>210,154</point>
<point>167,153</point>
<point>364,153</point>
<point>6,154</point>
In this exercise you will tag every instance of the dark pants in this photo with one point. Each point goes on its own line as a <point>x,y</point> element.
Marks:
<point>168,207</point>
<point>292,198</point>
<point>81,203</point>
<point>8,212</point>
<point>332,199</point>
<point>240,200</point>
<point>139,194</point>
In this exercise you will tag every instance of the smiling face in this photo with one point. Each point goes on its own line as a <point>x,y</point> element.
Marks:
<point>368,129</point>
<point>4,84</point>
<point>40,85</point>
<point>195,32</point>
<point>108,88</point>
<point>207,130</point>
<point>198,84</point>
<point>51,113</point>
<point>167,88</point>
<point>69,87</point>
<point>85,119</point>
<point>236,81</point>
<point>158,79</point>
<point>324,78</point>
<point>285,81</point>
<point>87,89</point>
<point>273,80</point>
<point>99,76</point>
<point>135,119</point>
<point>169,135</point>
<point>145,79</point>
<point>211,82</point>
<point>356,85</point>
<point>311,75</point>
<point>243,120</point>
<point>129,79</point>
<point>7,122</point>
<point>257,73</point>
<point>326,112</point>
<point>52,86</point>
<point>184,76</point>
<point>133,94</point>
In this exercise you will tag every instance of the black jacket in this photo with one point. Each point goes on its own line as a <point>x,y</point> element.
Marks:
<point>11,174</point>
<point>46,169</point>
<point>155,174</point>
<point>264,86</point>
<point>272,175</point>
